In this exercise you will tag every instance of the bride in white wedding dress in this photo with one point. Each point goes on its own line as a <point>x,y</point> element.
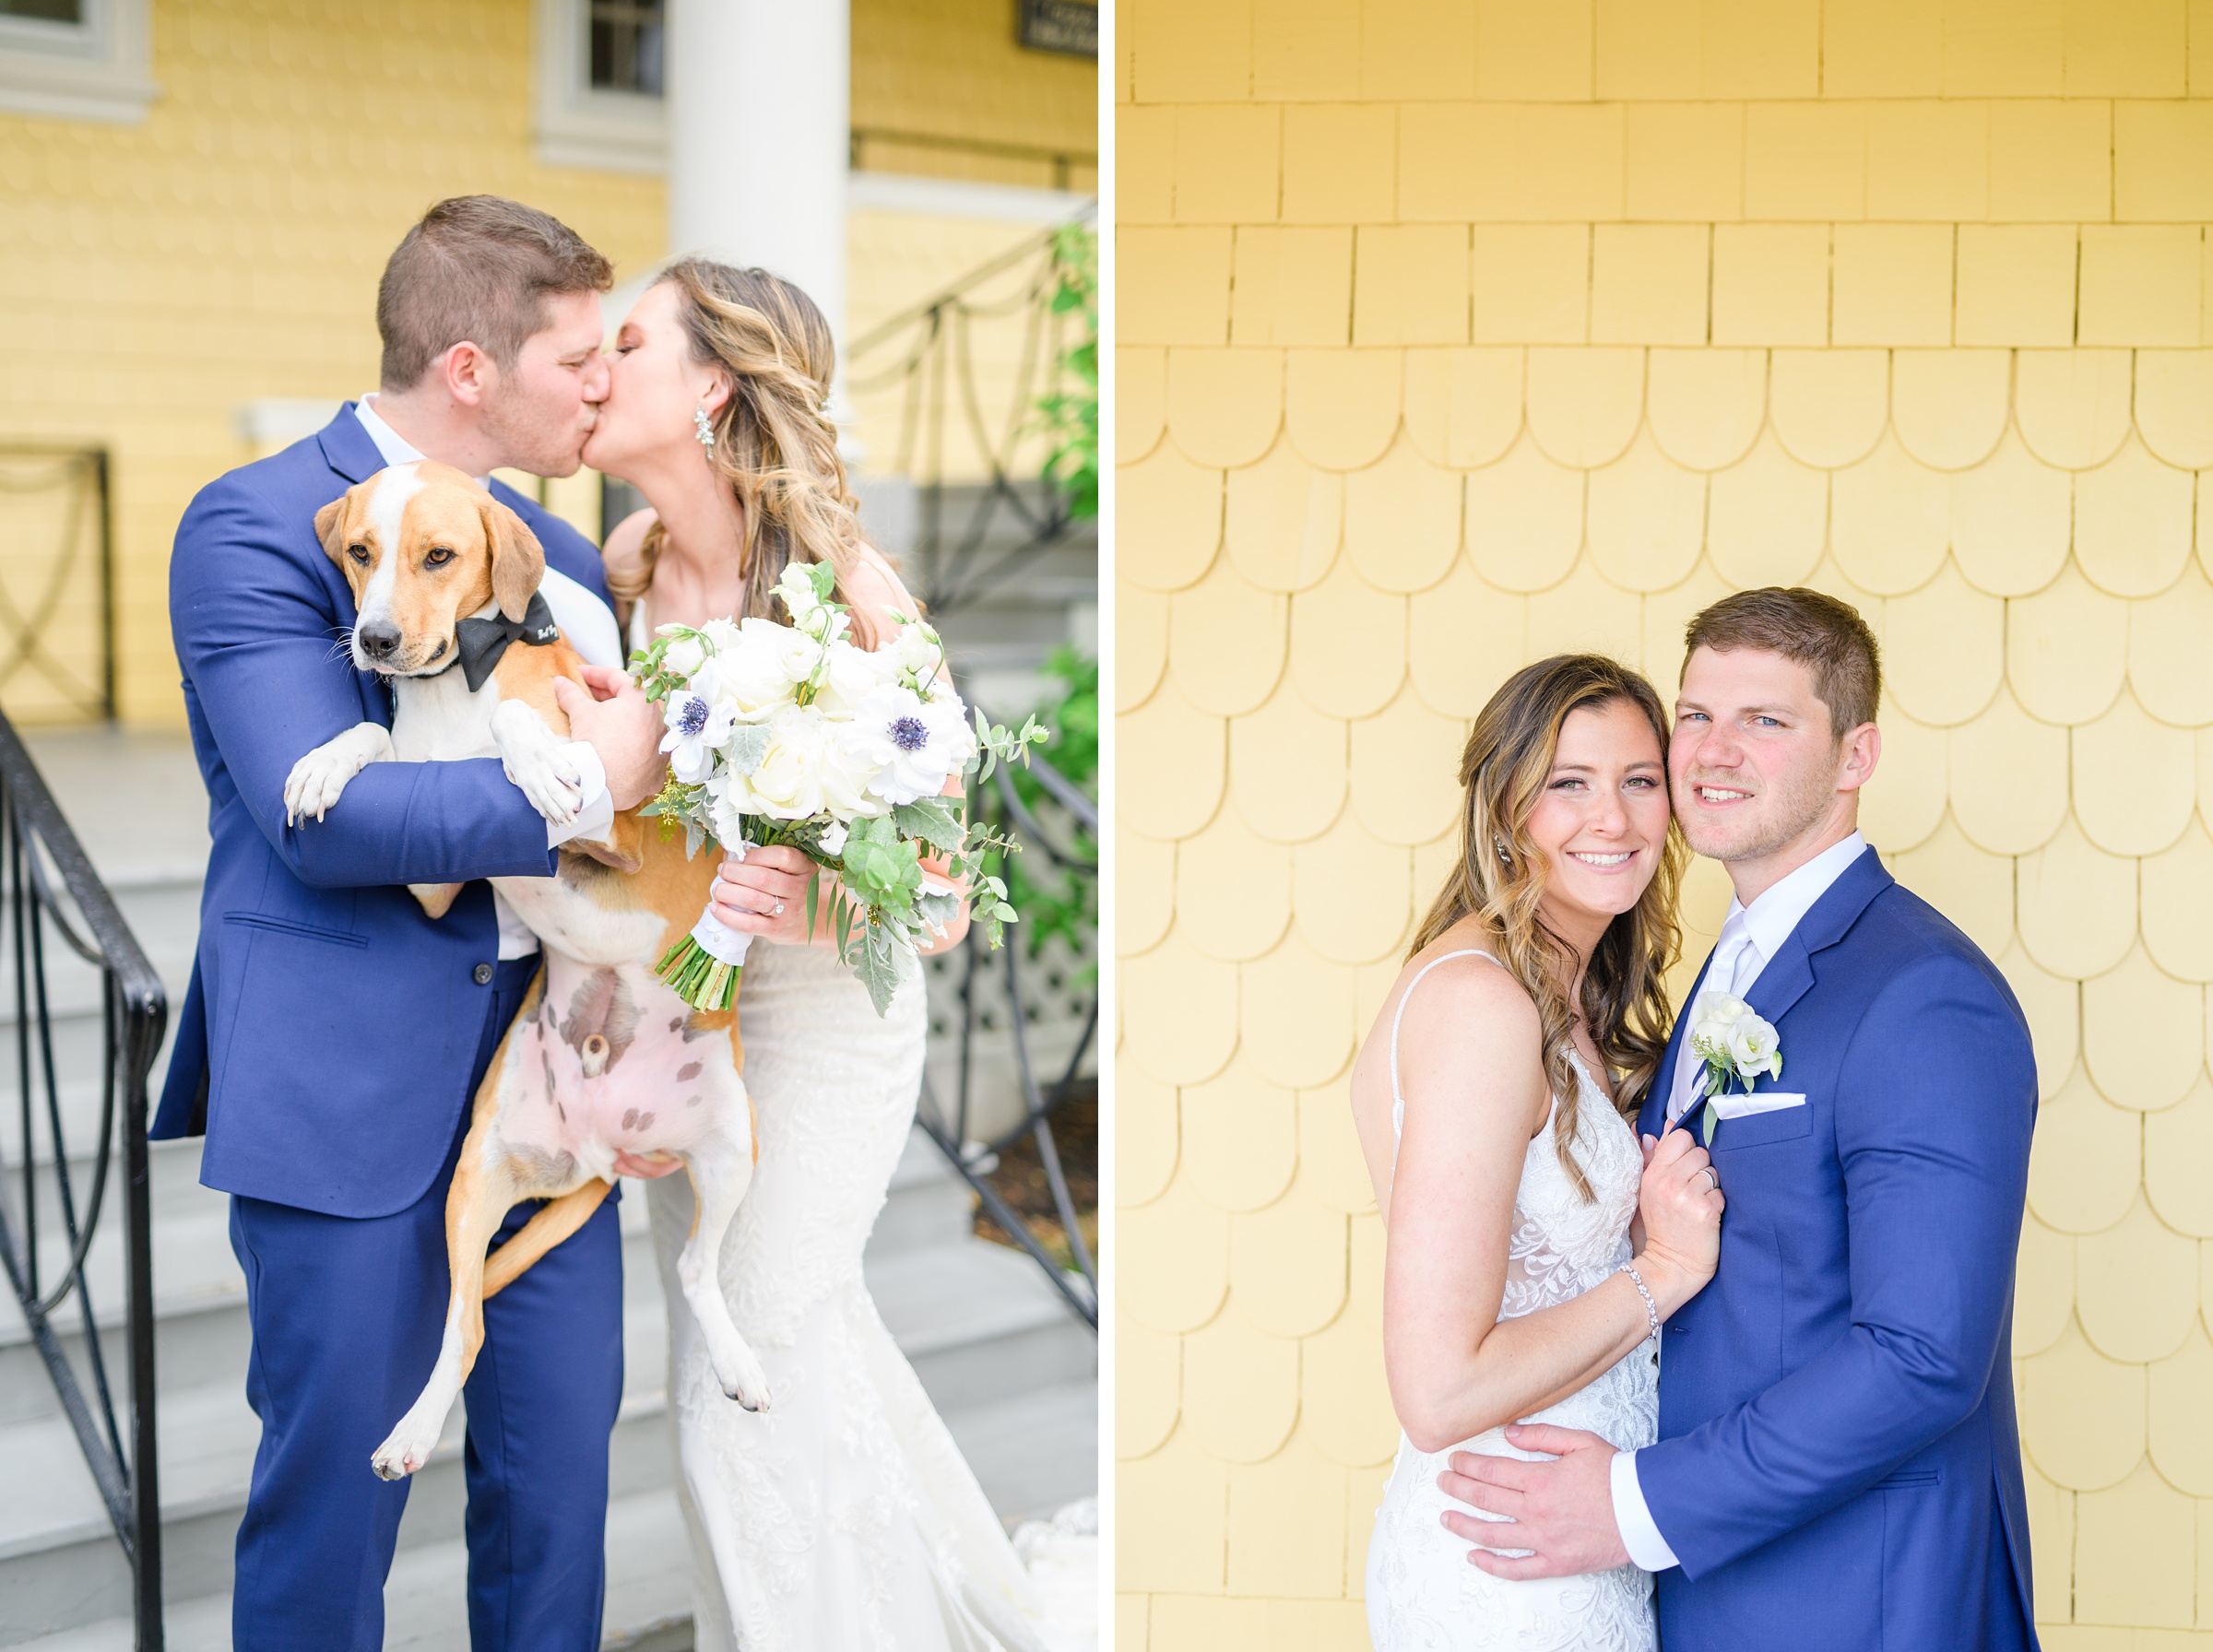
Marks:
<point>841,1517</point>
<point>1531,1250</point>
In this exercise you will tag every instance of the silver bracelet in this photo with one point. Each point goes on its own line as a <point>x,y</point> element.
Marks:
<point>1651,1309</point>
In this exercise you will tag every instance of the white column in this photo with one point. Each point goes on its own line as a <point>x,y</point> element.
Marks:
<point>760,131</point>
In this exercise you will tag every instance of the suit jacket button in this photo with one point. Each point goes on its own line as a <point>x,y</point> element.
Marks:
<point>483,975</point>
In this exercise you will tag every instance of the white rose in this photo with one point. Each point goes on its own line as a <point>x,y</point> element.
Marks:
<point>795,654</point>
<point>788,784</point>
<point>684,656</point>
<point>853,675</point>
<point>1715,1013</point>
<point>721,634</point>
<point>918,647</point>
<point>1754,1047</point>
<point>751,670</point>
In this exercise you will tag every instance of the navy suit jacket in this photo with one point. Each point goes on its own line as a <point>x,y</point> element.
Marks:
<point>325,1041</point>
<point>1839,1465</point>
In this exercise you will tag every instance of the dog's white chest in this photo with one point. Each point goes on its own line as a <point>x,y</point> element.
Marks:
<point>436,719</point>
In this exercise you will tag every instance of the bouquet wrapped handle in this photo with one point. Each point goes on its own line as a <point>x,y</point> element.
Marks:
<point>702,968</point>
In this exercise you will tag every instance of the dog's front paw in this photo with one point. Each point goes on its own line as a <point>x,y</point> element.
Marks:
<point>537,763</point>
<point>549,780</point>
<point>406,1450</point>
<point>319,779</point>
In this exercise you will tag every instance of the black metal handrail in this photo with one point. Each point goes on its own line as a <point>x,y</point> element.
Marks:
<point>47,884</point>
<point>1001,806</point>
<point>925,354</point>
<point>33,623</point>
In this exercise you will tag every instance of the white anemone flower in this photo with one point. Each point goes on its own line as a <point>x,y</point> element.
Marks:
<point>697,727</point>
<point>915,744</point>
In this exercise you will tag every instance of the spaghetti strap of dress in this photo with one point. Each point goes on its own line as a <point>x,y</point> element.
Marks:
<point>1398,1101</point>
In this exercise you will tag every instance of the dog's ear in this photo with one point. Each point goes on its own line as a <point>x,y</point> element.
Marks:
<point>330,527</point>
<point>519,561</point>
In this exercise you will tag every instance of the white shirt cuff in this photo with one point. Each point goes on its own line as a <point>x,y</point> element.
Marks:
<point>597,812</point>
<point>1647,1548</point>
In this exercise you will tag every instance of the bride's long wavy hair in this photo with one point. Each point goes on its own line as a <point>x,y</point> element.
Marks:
<point>1499,878</point>
<point>773,440</point>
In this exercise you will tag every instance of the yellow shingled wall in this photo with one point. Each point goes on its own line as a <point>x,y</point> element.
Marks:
<point>153,278</point>
<point>1457,335</point>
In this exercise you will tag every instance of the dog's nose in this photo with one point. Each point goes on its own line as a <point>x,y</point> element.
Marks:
<point>378,641</point>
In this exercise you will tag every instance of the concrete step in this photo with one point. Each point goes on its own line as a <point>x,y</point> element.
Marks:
<point>648,1595</point>
<point>999,1354</point>
<point>1013,1371</point>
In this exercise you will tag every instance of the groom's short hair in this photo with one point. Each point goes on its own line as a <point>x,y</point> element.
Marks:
<point>476,269</point>
<point>1821,632</point>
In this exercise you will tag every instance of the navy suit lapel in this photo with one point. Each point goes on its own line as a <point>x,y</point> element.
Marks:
<point>1788,976</point>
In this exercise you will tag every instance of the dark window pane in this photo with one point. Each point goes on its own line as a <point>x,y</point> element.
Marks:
<point>46,11</point>
<point>625,42</point>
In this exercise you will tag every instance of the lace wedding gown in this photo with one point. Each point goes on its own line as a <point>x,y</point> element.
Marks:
<point>1421,1591</point>
<point>842,1519</point>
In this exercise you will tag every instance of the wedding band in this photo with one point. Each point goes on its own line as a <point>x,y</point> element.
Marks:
<point>1713,1181</point>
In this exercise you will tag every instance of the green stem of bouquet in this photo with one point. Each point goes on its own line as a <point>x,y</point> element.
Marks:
<point>699,977</point>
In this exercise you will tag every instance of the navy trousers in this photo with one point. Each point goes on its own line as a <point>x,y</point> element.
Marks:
<point>347,1316</point>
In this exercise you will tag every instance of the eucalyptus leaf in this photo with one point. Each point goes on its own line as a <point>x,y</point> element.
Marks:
<point>747,746</point>
<point>933,821</point>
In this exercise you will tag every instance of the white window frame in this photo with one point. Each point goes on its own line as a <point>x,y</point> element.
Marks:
<point>100,69</point>
<point>578,124</point>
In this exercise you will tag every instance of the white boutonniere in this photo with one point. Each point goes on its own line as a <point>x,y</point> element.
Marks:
<point>1737,1045</point>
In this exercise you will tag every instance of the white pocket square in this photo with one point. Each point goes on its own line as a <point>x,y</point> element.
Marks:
<point>1759,1100</point>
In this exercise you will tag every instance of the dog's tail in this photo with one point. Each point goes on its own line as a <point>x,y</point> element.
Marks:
<point>558,1219</point>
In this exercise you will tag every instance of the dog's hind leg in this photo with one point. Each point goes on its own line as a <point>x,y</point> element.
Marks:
<point>555,1223</point>
<point>721,1174</point>
<point>484,1190</point>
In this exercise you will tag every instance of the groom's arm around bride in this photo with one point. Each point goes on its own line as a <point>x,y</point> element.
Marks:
<point>1838,1463</point>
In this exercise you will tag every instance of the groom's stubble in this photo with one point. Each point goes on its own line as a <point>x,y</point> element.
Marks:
<point>1793,776</point>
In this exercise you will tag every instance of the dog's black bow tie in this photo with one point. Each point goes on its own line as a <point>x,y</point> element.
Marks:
<point>481,642</point>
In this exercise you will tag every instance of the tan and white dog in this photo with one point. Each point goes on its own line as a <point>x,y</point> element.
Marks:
<point>602,1057</point>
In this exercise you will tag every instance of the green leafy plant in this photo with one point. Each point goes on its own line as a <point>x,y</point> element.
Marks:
<point>1054,900</point>
<point>1070,417</point>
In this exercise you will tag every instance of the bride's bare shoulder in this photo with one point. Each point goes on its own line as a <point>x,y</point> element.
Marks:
<point>1462,994</point>
<point>873,583</point>
<point>620,553</point>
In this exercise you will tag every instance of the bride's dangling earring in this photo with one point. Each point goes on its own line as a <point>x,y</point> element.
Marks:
<point>706,430</point>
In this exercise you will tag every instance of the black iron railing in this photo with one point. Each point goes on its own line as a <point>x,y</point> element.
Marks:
<point>51,895</point>
<point>984,518</point>
<point>1009,986</point>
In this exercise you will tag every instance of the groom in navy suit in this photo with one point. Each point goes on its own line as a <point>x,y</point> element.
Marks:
<point>333,1036</point>
<point>1839,1465</point>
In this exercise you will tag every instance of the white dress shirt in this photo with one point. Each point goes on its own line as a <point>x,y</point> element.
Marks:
<point>590,626</point>
<point>1751,937</point>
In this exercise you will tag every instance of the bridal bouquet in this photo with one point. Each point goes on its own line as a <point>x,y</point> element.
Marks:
<point>792,734</point>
